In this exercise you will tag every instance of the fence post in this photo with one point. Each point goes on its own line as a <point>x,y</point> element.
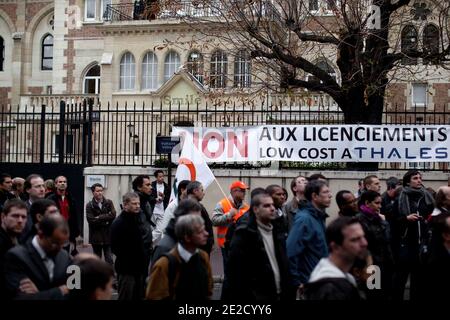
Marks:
<point>89,132</point>
<point>42,142</point>
<point>62,134</point>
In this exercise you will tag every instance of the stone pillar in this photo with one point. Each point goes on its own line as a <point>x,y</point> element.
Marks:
<point>60,47</point>
<point>18,55</point>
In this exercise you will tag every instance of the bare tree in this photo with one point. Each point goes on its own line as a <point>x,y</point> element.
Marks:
<point>368,41</point>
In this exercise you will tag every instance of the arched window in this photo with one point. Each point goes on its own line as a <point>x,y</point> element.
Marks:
<point>127,72</point>
<point>219,66</point>
<point>431,43</point>
<point>47,53</point>
<point>171,64</point>
<point>2,53</point>
<point>150,71</point>
<point>195,65</point>
<point>242,69</point>
<point>409,43</point>
<point>92,80</point>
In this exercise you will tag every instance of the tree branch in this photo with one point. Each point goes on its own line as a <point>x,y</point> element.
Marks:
<point>316,38</point>
<point>395,6</point>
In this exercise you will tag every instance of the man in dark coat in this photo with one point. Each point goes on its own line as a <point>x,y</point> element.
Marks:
<point>389,196</point>
<point>436,278</point>
<point>100,214</point>
<point>330,279</point>
<point>143,188</point>
<point>38,269</point>
<point>5,189</point>
<point>13,220</point>
<point>258,266</point>
<point>128,246</point>
<point>68,208</point>
<point>409,232</point>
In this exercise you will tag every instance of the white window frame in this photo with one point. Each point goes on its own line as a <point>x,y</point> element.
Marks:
<point>86,18</point>
<point>172,63</point>
<point>127,72</point>
<point>413,103</point>
<point>150,76</point>
<point>97,83</point>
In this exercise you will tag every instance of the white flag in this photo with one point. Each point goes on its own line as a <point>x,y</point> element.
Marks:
<point>191,166</point>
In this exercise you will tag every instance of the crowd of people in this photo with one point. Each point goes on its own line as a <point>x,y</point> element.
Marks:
<point>272,249</point>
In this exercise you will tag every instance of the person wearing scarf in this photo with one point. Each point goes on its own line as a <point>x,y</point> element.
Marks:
<point>411,211</point>
<point>377,233</point>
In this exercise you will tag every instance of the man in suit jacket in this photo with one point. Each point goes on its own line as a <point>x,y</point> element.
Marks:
<point>37,270</point>
<point>13,220</point>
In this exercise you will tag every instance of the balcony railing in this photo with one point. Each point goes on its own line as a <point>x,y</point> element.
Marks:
<point>141,10</point>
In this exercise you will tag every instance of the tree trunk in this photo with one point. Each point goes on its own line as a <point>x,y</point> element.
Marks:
<point>357,111</point>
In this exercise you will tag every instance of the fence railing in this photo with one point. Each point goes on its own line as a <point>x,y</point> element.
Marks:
<point>141,10</point>
<point>120,135</point>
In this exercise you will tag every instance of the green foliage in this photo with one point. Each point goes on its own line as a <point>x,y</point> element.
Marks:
<point>162,162</point>
<point>312,165</point>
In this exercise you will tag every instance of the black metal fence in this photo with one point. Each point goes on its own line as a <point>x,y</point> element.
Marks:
<point>114,135</point>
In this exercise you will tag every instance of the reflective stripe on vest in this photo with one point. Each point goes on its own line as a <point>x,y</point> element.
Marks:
<point>222,230</point>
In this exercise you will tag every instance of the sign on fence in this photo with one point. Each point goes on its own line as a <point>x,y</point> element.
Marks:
<point>164,145</point>
<point>320,143</point>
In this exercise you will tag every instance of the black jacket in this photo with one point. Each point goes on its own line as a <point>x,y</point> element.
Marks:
<point>5,245</point>
<point>436,277</point>
<point>405,232</point>
<point>209,229</point>
<point>100,221</point>
<point>250,273</point>
<point>145,224</point>
<point>5,196</point>
<point>378,237</point>
<point>24,261</point>
<point>74,216</point>
<point>331,289</point>
<point>128,245</point>
<point>166,194</point>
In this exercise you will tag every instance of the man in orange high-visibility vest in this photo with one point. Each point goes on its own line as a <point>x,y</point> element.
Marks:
<point>228,211</point>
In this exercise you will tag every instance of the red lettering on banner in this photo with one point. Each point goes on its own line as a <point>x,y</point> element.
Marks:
<point>241,146</point>
<point>211,136</point>
<point>195,138</point>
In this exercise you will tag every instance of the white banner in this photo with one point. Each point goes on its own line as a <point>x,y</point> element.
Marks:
<point>320,143</point>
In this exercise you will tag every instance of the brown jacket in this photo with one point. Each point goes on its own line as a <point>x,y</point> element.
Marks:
<point>158,285</point>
